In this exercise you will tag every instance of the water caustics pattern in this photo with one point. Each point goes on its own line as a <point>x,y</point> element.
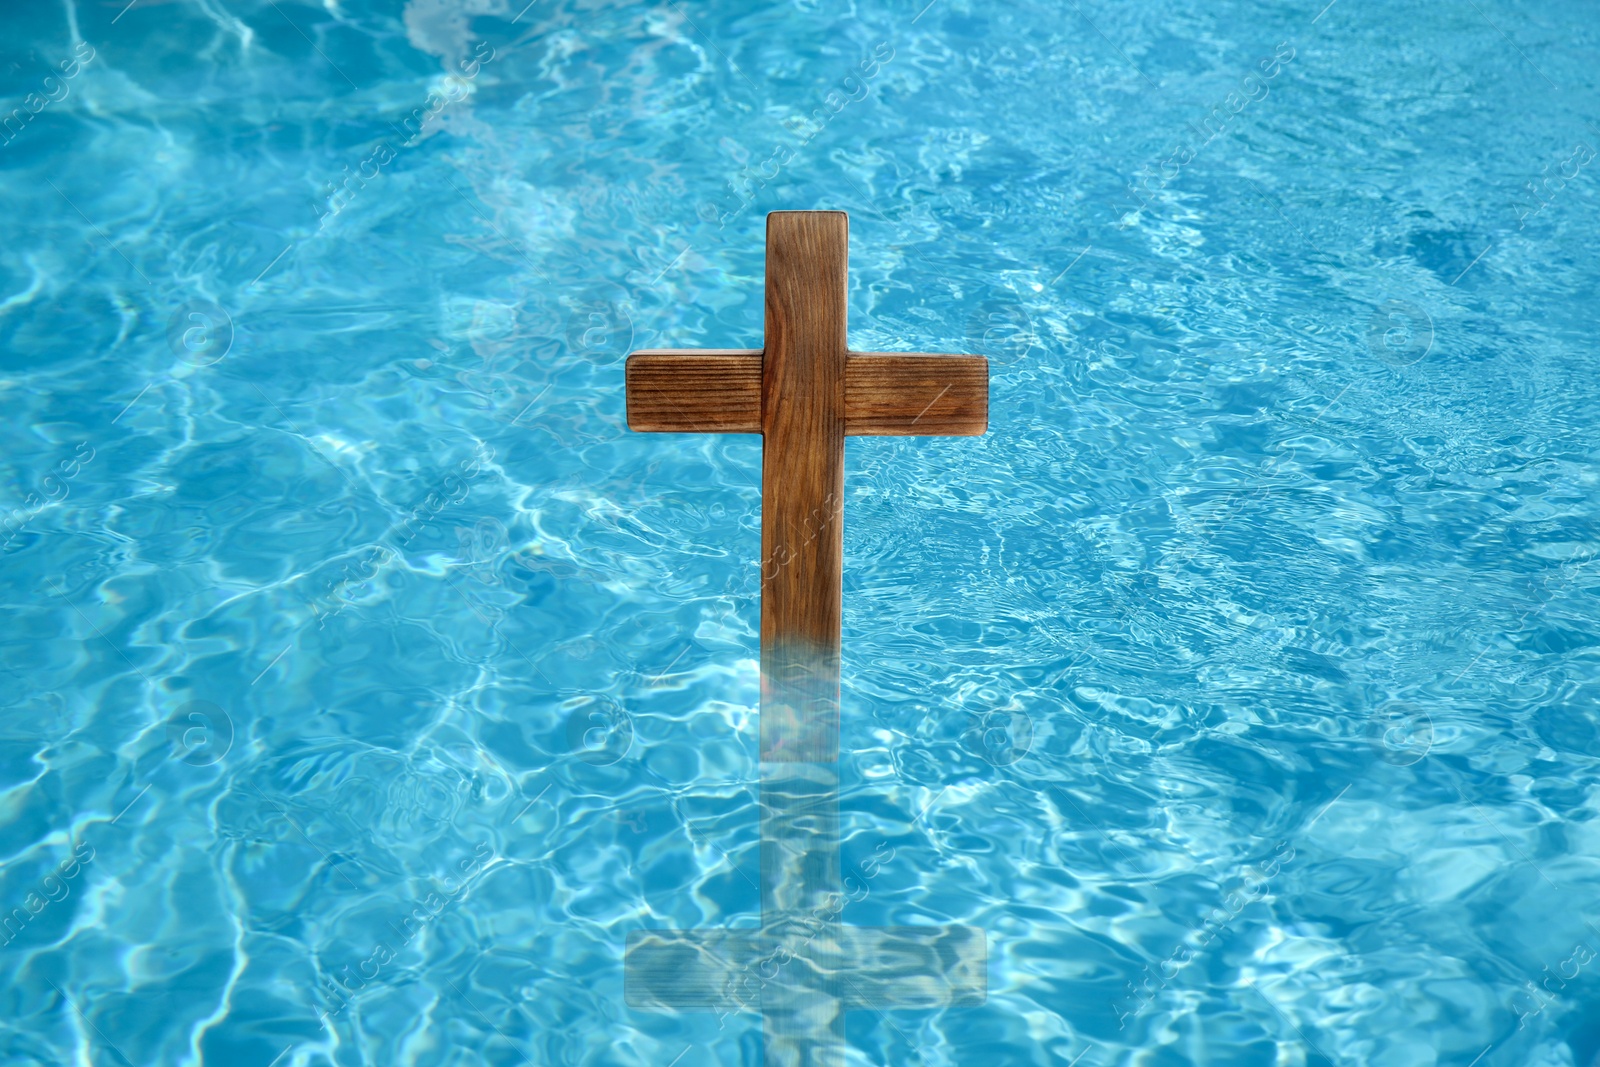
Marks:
<point>368,684</point>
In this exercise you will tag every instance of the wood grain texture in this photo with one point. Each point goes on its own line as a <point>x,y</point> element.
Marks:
<point>802,484</point>
<point>804,392</point>
<point>885,393</point>
<point>710,390</point>
<point>915,393</point>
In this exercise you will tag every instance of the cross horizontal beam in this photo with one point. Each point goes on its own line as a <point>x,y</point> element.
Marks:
<point>886,394</point>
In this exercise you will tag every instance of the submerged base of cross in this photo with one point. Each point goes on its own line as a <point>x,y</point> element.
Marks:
<point>802,968</point>
<point>803,980</point>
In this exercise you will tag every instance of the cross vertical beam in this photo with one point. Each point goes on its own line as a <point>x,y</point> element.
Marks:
<point>802,485</point>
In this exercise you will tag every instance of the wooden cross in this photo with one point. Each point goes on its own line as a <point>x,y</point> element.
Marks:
<point>804,393</point>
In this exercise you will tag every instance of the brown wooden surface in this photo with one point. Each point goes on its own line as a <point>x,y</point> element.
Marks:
<point>915,393</point>
<point>885,393</point>
<point>802,484</point>
<point>713,390</point>
<point>804,391</point>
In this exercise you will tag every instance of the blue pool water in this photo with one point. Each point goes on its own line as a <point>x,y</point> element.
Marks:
<point>368,683</point>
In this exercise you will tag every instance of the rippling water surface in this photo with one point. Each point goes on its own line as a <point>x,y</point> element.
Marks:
<point>368,683</point>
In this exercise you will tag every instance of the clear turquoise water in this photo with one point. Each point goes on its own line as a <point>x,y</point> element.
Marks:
<point>1240,683</point>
